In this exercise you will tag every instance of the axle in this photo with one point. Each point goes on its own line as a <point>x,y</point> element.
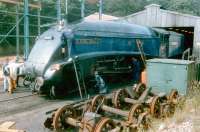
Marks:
<point>131,115</point>
<point>114,110</point>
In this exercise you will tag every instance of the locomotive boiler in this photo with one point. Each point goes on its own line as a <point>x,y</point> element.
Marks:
<point>63,59</point>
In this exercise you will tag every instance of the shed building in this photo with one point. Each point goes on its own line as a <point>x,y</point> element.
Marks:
<point>186,24</point>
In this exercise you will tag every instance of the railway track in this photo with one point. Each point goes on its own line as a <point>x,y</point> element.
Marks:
<point>20,102</point>
<point>19,97</point>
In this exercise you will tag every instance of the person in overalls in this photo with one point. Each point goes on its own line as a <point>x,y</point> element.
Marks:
<point>6,73</point>
<point>12,78</point>
<point>136,70</point>
<point>100,83</point>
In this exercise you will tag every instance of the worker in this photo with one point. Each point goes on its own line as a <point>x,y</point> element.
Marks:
<point>19,71</point>
<point>10,78</point>
<point>5,75</point>
<point>136,70</point>
<point>100,84</point>
<point>13,68</point>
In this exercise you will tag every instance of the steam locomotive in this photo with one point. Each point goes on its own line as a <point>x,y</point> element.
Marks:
<point>64,58</point>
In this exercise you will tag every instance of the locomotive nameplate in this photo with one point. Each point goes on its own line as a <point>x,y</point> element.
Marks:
<point>87,41</point>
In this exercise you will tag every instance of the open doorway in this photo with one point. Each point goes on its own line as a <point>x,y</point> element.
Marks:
<point>188,33</point>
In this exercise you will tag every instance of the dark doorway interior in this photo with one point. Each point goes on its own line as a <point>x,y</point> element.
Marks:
<point>188,33</point>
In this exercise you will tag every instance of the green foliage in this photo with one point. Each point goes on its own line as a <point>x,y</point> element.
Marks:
<point>127,7</point>
<point>122,8</point>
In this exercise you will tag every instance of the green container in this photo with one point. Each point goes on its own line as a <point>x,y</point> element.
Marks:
<point>166,74</point>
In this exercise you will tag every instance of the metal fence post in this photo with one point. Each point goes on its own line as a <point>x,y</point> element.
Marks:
<point>82,9</point>
<point>58,10</point>
<point>17,32</point>
<point>100,9</point>
<point>26,29</point>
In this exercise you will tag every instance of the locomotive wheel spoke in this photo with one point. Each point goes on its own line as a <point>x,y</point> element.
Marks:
<point>139,89</point>
<point>60,115</point>
<point>96,101</point>
<point>104,125</point>
<point>86,127</point>
<point>134,113</point>
<point>144,120</point>
<point>118,98</point>
<point>155,106</point>
<point>173,96</point>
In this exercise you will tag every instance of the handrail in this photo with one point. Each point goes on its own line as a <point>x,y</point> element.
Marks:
<point>186,52</point>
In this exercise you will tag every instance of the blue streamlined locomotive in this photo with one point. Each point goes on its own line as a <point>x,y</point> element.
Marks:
<point>60,56</point>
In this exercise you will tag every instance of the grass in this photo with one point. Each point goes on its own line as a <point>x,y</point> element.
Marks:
<point>187,112</point>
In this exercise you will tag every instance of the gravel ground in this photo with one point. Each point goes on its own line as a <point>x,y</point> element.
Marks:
<point>28,112</point>
<point>32,120</point>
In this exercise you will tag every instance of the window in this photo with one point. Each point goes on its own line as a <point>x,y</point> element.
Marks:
<point>61,52</point>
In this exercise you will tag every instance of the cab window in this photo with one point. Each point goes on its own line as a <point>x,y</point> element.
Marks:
<point>61,52</point>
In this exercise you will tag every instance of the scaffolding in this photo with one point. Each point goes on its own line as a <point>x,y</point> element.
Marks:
<point>23,17</point>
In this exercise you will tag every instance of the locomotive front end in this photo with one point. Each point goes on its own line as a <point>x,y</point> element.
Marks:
<point>41,58</point>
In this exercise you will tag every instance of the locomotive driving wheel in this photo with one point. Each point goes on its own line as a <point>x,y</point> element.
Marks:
<point>144,120</point>
<point>139,89</point>
<point>173,96</point>
<point>118,98</point>
<point>165,107</point>
<point>85,127</point>
<point>96,102</point>
<point>172,99</point>
<point>155,106</point>
<point>134,113</point>
<point>61,114</point>
<point>104,125</point>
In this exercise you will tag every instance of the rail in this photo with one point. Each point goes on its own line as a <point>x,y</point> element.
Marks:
<point>29,95</point>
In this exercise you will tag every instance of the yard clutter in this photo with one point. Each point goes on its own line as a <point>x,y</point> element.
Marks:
<point>117,112</point>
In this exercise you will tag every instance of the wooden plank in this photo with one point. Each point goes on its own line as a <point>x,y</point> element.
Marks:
<point>20,3</point>
<point>10,130</point>
<point>8,124</point>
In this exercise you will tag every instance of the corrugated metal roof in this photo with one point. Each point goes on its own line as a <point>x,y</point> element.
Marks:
<point>95,17</point>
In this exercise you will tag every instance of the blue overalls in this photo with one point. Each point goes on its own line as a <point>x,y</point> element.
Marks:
<point>100,84</point>
<point>136,71</point>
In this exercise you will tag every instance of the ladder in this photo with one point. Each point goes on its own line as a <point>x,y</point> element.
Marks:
<point>79,78</point>
<point>141,50</point>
